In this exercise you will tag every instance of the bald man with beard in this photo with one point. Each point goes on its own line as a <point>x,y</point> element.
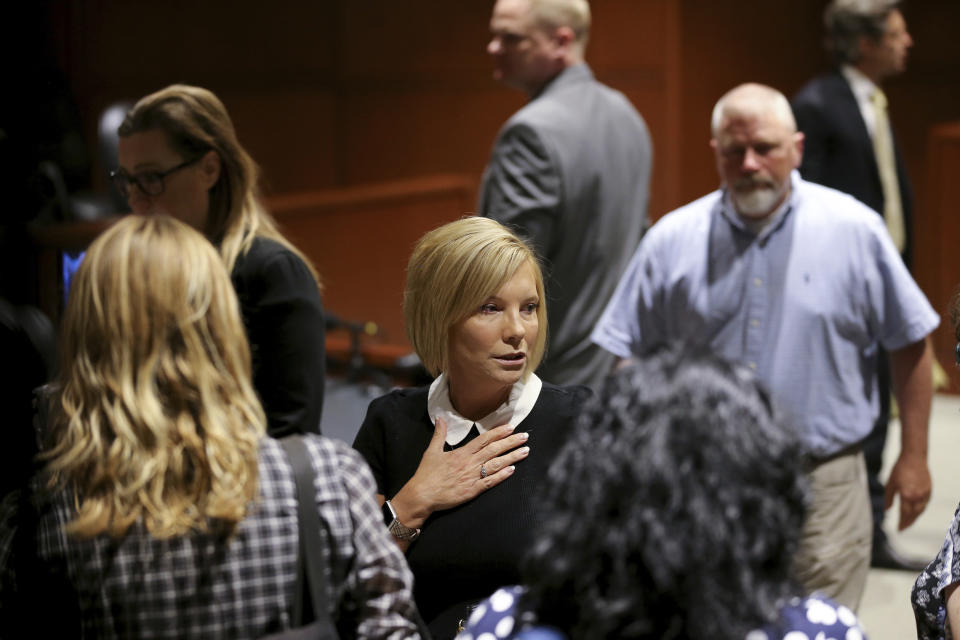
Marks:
<point>802,284</point>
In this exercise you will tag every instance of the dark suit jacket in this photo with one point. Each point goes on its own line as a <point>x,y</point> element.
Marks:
<point>838,151</point>
<point>283,316</point>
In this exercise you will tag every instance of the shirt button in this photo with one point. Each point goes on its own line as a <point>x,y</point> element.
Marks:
<point>752,365</point>
<point>754,323</point>
<point>757,282</point>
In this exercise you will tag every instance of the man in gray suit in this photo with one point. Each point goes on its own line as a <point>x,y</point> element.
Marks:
<point>570,171</point>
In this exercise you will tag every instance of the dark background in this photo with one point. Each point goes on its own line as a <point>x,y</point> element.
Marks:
<point>344,93</point>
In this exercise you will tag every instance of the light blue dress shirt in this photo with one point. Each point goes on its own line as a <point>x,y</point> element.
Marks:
<point>804,303</point>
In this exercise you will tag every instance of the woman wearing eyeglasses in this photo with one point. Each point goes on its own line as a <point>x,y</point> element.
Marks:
<point>179,155</point>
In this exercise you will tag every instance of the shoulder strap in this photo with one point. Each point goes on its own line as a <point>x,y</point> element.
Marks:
<point>35,582</point>
<point>309,561</point>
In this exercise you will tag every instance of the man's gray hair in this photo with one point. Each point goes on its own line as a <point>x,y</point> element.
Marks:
<point>846,21</point>
<point>752,99</point>
<point>575,14</point>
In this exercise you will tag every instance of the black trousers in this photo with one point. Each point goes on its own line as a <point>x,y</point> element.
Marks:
<point>874,443</point>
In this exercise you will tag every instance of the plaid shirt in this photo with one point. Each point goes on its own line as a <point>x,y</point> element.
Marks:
<point>202,586</point>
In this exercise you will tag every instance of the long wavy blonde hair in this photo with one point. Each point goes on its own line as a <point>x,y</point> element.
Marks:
<point>157,418</point>
<point>195,121</point>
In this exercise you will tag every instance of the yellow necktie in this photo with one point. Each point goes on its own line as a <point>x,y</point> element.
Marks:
<point>883,150</point>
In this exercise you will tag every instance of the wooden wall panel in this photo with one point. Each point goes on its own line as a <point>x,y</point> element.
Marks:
<point>923,98</point>
<point>652,106</point>
<point>442,41</point>
<point>120,44</point>
<point>937,231</point>
<point>417,95</point>
<point>281,55</point>
<point>403,89</point>
<point>627,34</point>
<point>414,105</point>
<point>360,239</point>
<point>338,93</point>
<point>291,134</point>
<point>928,92</point>
<point>393,134</point>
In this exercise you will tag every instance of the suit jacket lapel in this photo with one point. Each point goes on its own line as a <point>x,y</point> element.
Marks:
<point>845,106</point>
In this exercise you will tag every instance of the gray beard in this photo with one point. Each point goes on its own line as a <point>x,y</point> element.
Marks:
<point>756,203</point>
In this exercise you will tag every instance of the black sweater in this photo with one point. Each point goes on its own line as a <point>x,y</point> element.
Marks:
<point>280,303</point>
<point>464,554</point>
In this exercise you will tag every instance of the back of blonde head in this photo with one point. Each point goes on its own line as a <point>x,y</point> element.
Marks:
<point>157,420</point>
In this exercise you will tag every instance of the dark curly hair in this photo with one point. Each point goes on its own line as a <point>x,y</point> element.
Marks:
<point>674,511</point>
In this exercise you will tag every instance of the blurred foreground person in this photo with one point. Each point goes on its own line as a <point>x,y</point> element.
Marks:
<point>674,511</point>
<point>163,510</point>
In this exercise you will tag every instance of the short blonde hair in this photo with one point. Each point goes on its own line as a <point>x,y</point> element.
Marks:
<point>574,14</point>
<point>452,270</point>
<point>157,420</point>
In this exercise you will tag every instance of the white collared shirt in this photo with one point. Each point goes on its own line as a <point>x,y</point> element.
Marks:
<point>863,89</point>
<point>518,406</point>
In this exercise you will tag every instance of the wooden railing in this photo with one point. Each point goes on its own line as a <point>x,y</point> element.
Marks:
<point>360,238</point>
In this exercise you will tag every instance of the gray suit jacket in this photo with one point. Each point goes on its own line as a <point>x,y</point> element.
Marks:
<point>571,172</point>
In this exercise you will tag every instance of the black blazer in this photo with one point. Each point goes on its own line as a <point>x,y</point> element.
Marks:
<point>838,151</point>
<point>283,316</point>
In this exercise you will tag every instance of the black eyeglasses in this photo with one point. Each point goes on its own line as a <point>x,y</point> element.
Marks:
<point>150,183</point>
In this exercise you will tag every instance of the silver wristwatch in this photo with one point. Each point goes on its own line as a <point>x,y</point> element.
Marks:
<point>399,530</point>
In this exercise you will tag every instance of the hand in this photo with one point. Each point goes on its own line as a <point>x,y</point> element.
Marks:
<point>446,479</point>
<point>910,478</point>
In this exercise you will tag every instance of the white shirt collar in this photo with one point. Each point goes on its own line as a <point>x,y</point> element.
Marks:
<point>863,89</point>
<point>518,406</point>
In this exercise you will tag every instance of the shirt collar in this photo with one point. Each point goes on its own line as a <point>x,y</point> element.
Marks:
<point>518,406</point>
<point>729,212</point>
<point>862,86</point>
